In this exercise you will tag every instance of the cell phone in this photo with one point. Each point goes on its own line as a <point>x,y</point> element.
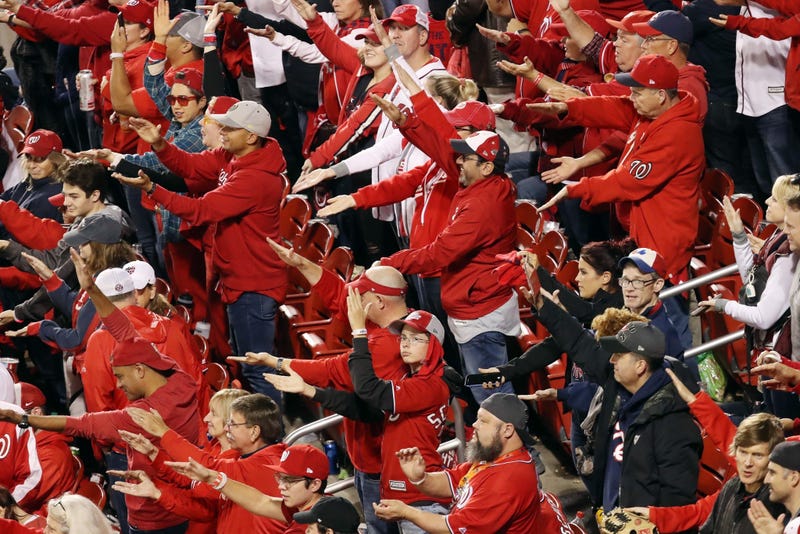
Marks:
<point>698,310</point>
<point>480,378</point>
<point>120,20</point>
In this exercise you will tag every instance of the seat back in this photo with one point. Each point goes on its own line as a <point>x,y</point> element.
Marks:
<point>295,214</point>
<point>315,242</point>
<point>163,288</point>
<point>341,262</point>
<point>216,376</point>
<point>18,123</point>
<point>93,491</point>
<point>77,466</point>
<point>528,217</point>
<point>555,244</point>
<point>567,273</point>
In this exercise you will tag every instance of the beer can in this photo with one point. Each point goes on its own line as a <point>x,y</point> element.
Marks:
<point>331,451</point>
<point>86,90</point>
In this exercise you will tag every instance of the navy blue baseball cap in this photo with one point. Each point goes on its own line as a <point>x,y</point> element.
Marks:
<point>670,23</point>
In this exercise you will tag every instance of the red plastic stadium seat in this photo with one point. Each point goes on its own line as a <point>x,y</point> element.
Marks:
<point>295,214</point>
<point>528,217</point>
<point>216,376</point>
<point>92,491</point>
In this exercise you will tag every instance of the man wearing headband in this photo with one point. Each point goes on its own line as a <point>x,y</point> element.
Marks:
<point>384,289</point>
<point>499,464</point>
<point>783,479</point>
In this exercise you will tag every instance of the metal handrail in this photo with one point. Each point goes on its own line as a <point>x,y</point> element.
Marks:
<point>699,281</point>
<point>310,428</point>
<point>713,344</point>
<point>447,446</point>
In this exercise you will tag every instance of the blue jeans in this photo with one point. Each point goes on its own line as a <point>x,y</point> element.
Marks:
<point>773,146</point>
<point>144,221</point>
<point>369,491</point>
<point>118,462</point>
<point>484,350</point>
<point>252,323</point>
<point>407,527</point>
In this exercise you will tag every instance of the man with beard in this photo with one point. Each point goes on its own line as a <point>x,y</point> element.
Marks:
<point>498,459</point>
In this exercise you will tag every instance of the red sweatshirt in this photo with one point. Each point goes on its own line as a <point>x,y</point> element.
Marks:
<point>362,440</point>
<point>433,187</point>
<point>20,470</point>
<point>245,208</point>
<point>118,136</point>
<point>251,469</point>
<point>28,229</point>
<point>482,224</point>
<point>99,382</point>
<point>777,29</point>
<point>658,174</point>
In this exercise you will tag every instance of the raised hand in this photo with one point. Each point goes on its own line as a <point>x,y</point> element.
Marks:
<point>256,358</point>
<point>390,509</point>
<point>390,110</point>
<point>286,254</point>
<point>378,28</point>
<point>564,92</point>
<point>549,394</point>
<point>567,166</point>
<point>151,421</point>
<point>558,197</point>
<point>560,5</point>
<point>309,180</point>
<point>780,375</point>
<point>305,10</point>
<point>683,392</point>
<point>407,80</point>
<point>494,35</point>
<point>720,21</point>
<point>549,108</point>
<point>161,22</point>
<point>139,443</point>
<point>214,18</point>
<point>267,31</point>
<point>194,470</point>
<point>142,181</point>
<point>356,311</point>
<point>412,463</point>
<point>137,483</point>
<point>293,383</point>
<point>38,266</point>
<point>337,205</point>
<point>522,70</point>
<point>732,215</point>
<point>119,39</point>
<point>84,276</point>
<point>762,520</point>
<point>229,7</point>
<point>149,132</point>
<point>491,385</point>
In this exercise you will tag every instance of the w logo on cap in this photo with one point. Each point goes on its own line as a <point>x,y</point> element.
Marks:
<point>33,139</point>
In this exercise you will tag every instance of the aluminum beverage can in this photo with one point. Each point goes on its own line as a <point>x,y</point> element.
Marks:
<point>86,90</point>
<point>331,451</point>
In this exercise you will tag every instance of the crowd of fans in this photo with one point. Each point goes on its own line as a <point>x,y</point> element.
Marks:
<point>142,240</point>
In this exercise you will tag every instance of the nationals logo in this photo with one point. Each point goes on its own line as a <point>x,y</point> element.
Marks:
<point>640,169</point>
<point>5,445</point>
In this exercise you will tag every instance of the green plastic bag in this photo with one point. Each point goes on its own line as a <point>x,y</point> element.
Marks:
<point>712,376</point>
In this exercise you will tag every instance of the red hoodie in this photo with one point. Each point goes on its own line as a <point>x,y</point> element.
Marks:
<point>58,469</point>
<point>777,29</point>
<point>245,207</point>
<point>99,382</point>
<point>482,224</point>
<point>657,176</point>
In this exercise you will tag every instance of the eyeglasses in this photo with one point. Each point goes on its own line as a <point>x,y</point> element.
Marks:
<point>651,38</point>
<point>476,159</point>
<point>287,481</point>
<point>230,424</point>
<point>413,340</point>
<point>636,283</point>
<point>182,100</point>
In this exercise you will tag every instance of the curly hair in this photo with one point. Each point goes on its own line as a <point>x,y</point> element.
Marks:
<point>612,320</point>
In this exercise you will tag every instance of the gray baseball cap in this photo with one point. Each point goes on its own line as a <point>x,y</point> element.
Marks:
<point>638,337</point>
<point>247,114</point>
<point>190,26</point>
<point>100,228</point>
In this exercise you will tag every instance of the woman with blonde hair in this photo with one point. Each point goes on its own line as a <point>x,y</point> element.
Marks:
<point>69,514</point>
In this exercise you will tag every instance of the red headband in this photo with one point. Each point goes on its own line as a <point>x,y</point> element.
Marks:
<point>364,284</point>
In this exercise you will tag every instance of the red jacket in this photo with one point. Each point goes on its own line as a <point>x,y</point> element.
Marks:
<point>432,186</point>
<point>245,208</point>
<point>58,469</point>
<point>658,174</point>
<point>99,382</point>
<point>482,224</point>
<point>118,136</point>
<point>362,440</point>
<point>20,470</point>
<point>251,469</point>
<point>777,29</point>
<point>28,229</point>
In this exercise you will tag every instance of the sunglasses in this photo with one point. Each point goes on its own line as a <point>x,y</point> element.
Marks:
<point>182,100</point>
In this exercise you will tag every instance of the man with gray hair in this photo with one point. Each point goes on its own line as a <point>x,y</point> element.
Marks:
<point>245,207</point>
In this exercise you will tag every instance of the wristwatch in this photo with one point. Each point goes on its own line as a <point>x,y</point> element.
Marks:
<point>23,422</point>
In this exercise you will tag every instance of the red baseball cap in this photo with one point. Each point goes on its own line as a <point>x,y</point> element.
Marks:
<point>303,461</point>
<point>138,12</point>
<point>634,17</point>
<point>473,114</point>
<point>488,145</point>
<point>138,350</point>
<point>369,34</point>
<point>422,321</point>
<point>408,15</point>
<point>591,17</point>
<point>57,200</point>
<point>191,78</point>
<point>29,396</point>
<point>651,71</point>
<point>221,104</point>
<point>41,143</point>
<point>646,260</point>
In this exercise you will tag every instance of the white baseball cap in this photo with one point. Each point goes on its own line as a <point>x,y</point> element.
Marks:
<point>114,281</point>
<point>142,273</point>
<point>246,114</point>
